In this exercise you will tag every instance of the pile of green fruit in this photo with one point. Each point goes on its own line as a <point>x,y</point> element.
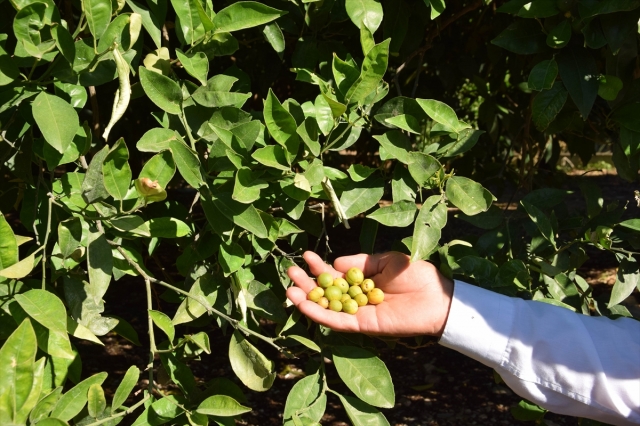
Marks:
<point>345,294</point>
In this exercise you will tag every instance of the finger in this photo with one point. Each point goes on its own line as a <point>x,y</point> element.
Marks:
<point>369,264</point>
<point>301,279</point>
<point>296,295</point>
<point>317,265</point>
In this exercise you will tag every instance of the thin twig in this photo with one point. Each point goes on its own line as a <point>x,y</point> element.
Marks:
<point>122,413</point>
<point>152,337</point>
<point>234,322</point>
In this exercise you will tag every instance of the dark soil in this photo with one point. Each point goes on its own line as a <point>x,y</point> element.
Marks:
<point>434,385</point>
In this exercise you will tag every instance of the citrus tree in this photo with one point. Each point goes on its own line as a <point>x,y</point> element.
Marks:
<point>222,132</point>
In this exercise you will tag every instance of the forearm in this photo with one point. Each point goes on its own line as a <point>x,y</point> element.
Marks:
<point>566,362</point>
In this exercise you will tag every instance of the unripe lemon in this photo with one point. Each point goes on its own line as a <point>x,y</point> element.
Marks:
<point>354,276</point>
<point>354,291</point>
<point>345,297</point>
<point>333,293</point>
<point>361,299</point>
<point>367,285</point>
<point>324,302</point>
<point>375,296</point>
<point>315,294</point>
<point>350,307</point>
<point>342,284</point>
<point>335,305</point>
<point>325,279</point>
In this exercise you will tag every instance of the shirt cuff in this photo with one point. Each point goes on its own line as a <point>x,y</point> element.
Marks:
<point>480,323</point>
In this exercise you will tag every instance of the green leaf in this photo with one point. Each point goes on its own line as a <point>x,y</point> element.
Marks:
<point>345,73</point>
<point>373,69</point>
<point>17,356</point>
<point>524,37</point>
<point>44,307</point>
<point>45,405</point>
<point>422,167</point>
<point>627,279</point>
<point>8,245</point>
<point>274,36</point>
<point>243,215</point>
<point>74,400</point>
<point>357,172</point>
<point>362,414</point>
<point>96,402</point>
<point>197,65</point>
<point>168,227</point>
<point>64,42</point>
<point>217,93</point>
<point>125,387</point>
<point>221,405</point>
<point>547,104</point>
<point>116,170</point>
<point>366,13</point>
<point>365,375</point>
<point>281,124</point>
<point>526,411</point>
<point>244,14</point>
<point>149,21</point>
<point>442,113</point>
<point>469,196</point>
<point>405,122</point>
<point>160,168</point>
<point>307,392</point>
<point>247,186</point>
<point>161,411</point>
<point>560,35</point>
<point>118,32</point>
<point>81,332</point>
<point>254,369</point>
<point>308,131</point>
<point>396,145</point>
<point>189,26</point>
<point>306,342</point>
<point>398,214</point>
<point>20,269</point>
<point>131,224</point>
<point>98,15</point>
<point>466,140</point>
<point>361,197</point>
<point>543,75</point>
<point>205,287</point>
<point>69,236</point>
<point>427,228</point>
<point>541,220</point>
<point>609,86</point>
<point>188,163</point>
<point>156,140</point>
<point>230,257</point>
<point>633,224</point>
<point>58,121</point>
<point>93,188</point>
<point>578,71</point>
<point>272,156</point>
<point>100,264</point>
<point>164,323</point>
<point>163,91</point>
<point>324,115</point>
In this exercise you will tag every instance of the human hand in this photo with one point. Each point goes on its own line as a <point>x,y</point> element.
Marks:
<point>417,297</point>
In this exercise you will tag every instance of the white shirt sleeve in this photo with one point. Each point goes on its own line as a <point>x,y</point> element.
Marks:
<point>566,362</point>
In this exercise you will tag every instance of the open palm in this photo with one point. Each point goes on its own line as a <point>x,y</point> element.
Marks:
<point>417,296</point>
